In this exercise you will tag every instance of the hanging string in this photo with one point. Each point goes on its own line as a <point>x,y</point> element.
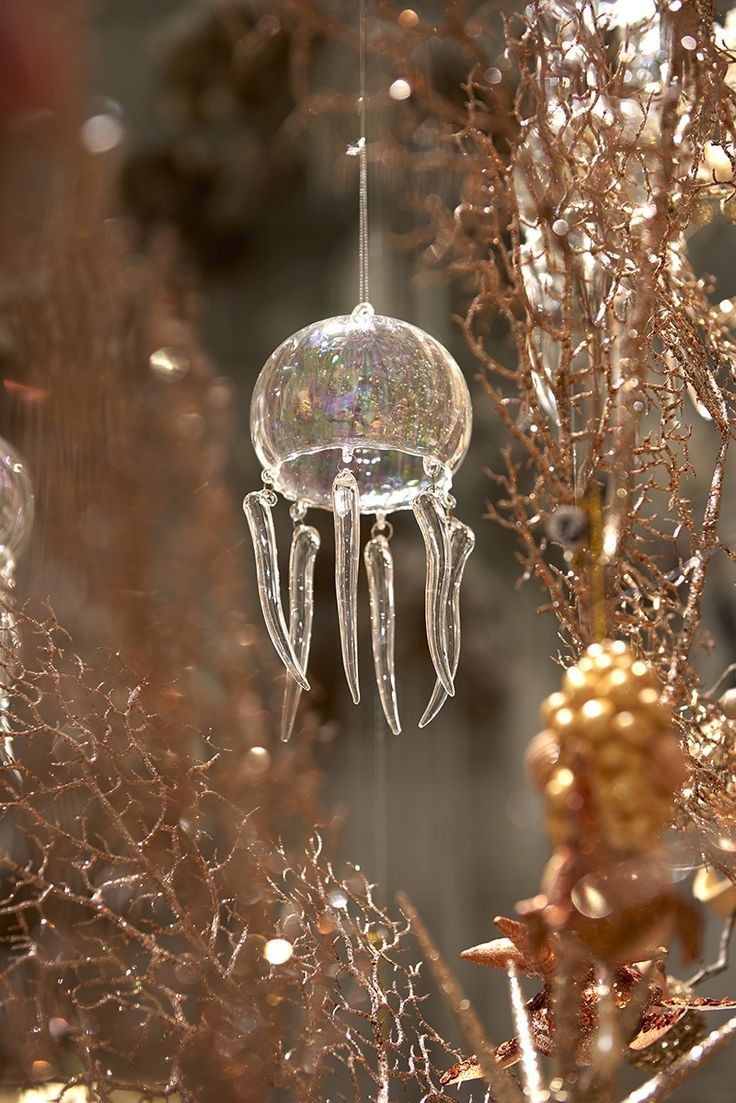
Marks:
<point>363,293</point>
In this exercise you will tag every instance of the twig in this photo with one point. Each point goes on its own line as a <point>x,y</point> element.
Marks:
<point>501,1083</point>
<point>722,961</point>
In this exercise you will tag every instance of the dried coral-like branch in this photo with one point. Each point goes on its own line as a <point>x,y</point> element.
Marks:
<point>181,952</point>
<point>587,267</point>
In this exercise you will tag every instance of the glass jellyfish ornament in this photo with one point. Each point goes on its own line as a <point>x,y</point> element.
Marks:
<point>16,521</point>
<point>361,414</point>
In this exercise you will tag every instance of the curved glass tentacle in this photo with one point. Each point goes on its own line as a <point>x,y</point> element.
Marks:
<point>257,507</point>
<point>462,542</point>
<point>304,547</point>
<point>346,508</point>
<point>379,567</point>
<point>430,514</point>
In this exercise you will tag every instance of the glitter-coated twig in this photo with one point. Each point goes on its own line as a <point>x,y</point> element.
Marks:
<point>662,1085</point>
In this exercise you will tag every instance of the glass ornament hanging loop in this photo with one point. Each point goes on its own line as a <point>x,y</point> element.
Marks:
<point>361,414</point>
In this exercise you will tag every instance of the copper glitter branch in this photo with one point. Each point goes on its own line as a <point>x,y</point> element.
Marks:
<point>661,1086</point>
<point>160,918</point>
<point>706,542</point>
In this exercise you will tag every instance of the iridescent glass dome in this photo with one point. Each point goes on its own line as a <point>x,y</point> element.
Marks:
<point>367,390</point>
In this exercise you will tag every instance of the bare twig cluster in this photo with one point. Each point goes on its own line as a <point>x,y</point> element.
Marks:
<point>153,940</point>
<point>583,227</point>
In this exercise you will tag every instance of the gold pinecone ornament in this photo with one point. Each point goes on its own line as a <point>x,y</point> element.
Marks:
<point>608,761</point>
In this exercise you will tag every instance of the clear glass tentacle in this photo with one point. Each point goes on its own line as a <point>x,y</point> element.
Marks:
<point>304,547</point>
<point>346,508</point>
<point>257,507</point>
<point>462,542</point>
<point>379,567</point>
<point>430,514</point>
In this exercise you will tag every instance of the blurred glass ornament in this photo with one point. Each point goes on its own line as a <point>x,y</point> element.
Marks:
<point>400,89</point>
<point>103,128</point>
<point>361,414</point>
<point>408,18</point>
<point>168,364</point>
<point>16,521</point>
<point>715,890</point>
<point>16,507</point>
<point>278,951</point>
<point>727,701</point>
<point>568,526</point>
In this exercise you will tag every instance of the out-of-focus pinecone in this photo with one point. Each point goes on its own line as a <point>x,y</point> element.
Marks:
<point>609,744</point>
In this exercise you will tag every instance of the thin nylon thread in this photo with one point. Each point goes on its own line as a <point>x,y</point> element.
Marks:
<point>363,292</point>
